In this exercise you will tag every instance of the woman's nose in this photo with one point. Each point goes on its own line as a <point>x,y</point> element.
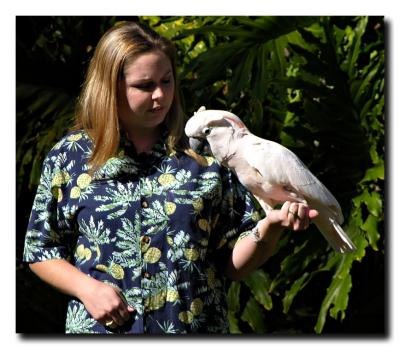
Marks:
<point>158,92</point>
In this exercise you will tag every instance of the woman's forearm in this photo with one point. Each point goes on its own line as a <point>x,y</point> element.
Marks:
<point>63,276</point>
<point>248,254</point>
<point>104,302</point>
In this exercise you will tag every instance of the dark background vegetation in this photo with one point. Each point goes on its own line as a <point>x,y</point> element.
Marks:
<point>314,84</point>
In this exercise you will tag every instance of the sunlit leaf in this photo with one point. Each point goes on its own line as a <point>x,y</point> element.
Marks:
<point>254,316</point>
<point>296,287</point>
<point>371,228</point>
<point>337,295</point>
<point>259,283</point>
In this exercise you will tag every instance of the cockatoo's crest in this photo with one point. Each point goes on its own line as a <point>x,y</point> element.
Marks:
<point>235,121</point>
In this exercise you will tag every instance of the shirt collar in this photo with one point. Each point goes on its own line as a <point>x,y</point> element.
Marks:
<point>129,162</point>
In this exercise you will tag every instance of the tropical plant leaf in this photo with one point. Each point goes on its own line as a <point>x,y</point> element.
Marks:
<point>259,283</point>
<point>371,229</point>
<point>254,316</point>
<point>291,293</point>
<point>337,295</point>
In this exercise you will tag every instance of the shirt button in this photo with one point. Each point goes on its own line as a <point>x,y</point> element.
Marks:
<point>146,275</point>
<point>145,204</point>
<point>145,239</point>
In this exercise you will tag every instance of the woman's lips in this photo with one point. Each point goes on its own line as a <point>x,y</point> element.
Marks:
<point>156,109</point>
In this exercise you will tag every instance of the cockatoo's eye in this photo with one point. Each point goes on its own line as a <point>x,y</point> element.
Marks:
<point>206,131</point>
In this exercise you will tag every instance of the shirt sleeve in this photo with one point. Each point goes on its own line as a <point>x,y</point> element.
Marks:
<point>49,233</point>
<point>237,215</point>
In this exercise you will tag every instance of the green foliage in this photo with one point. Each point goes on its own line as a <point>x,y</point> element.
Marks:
<point>314,84</point>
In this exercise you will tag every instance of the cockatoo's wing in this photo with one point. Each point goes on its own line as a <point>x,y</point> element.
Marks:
<point>286,176</point>
<point>283,169</point>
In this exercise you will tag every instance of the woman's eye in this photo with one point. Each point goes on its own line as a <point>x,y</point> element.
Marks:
<point>166,81</point>
<point>144,86</point>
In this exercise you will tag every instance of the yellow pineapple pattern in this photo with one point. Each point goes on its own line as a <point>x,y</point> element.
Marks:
<point>172,295</point>
<point>210,160</point>
<point>84,180</point>
<point>57,193</point>
<point>60,178</point>
<point>156,301</point>
<point>255,216</point>
<point>88,254</point>
<point>116,271</point>
<point>170,240</point>
<point>75,193</point>
<point>102,267</point>
<point>186,317</point>
<point>74,138</point>
<point>152,255</point>
<point>169,208</point>
<point>198,205</point>
<point>204,225</point>
<point>211,280</point>
<point>80,251</point>
<point>166,179</point>
<point>196,307</point>
<point>83,252</point>
<point>57,180</point>
<point>191,254</point>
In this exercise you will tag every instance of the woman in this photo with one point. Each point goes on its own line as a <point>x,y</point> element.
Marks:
<point>139,230</point>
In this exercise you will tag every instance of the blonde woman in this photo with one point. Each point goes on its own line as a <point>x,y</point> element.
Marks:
<point>139,230</point>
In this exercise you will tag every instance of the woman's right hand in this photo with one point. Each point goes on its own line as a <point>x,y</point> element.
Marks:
<point>105,304</point>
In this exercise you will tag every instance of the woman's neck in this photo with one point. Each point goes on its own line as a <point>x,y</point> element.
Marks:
<point>143,140</point>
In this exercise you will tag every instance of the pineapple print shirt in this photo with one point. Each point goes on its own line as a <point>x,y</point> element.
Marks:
<point>158,227</point>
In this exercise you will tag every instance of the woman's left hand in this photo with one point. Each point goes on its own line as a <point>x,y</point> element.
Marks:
<point>292,215</point>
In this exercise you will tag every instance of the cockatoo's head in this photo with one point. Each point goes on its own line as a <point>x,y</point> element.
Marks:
<point>211,126</point>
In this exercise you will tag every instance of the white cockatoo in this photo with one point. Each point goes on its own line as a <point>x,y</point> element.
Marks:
<point>271,172</point>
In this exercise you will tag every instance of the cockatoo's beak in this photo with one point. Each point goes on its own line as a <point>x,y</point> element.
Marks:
<point>199,145</point>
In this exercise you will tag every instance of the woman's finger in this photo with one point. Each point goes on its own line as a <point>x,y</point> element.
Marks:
<point>293,208</point>
<point>303,217</point>
<point>124,313</point>
<point>302,211</point>
<point>285,208</point>
<point>293,213</point>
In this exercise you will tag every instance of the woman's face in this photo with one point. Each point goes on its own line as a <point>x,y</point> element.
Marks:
<point>146,92</point>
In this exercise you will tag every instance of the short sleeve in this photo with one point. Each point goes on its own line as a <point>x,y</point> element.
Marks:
<point>237,215</point>
<point>50,233</point>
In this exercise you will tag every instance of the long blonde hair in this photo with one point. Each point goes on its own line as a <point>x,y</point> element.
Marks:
<point>97,109</point>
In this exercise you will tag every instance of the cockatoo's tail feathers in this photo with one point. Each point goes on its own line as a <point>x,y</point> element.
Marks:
<point>334,234</point>
<point>346,244</point>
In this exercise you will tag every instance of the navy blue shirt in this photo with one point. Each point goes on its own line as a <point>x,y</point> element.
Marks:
<point>159,227</point>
